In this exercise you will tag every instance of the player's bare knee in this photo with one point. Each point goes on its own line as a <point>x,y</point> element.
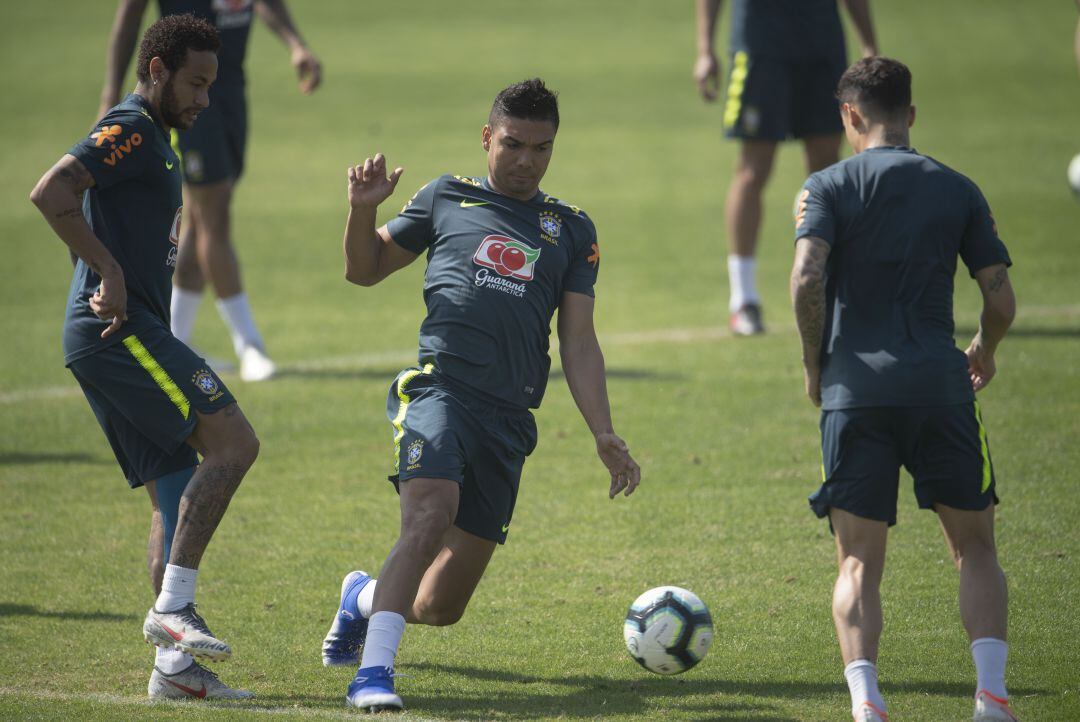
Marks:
<point>439,616</point>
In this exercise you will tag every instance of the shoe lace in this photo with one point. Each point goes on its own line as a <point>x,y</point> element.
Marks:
<point>192,617</point>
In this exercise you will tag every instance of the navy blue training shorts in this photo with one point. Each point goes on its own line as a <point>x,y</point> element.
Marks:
<point>944,448</point>
<point>212,150</point>
<point>442,431</point>
<point>771,98</point>
<point>144,392</point>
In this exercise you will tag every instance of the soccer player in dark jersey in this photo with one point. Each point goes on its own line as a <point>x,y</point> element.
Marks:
<point>786,56</point>
<point>212,157</point>
<point>502,256</point>
<point>115,200</point>
<point>877,241</point>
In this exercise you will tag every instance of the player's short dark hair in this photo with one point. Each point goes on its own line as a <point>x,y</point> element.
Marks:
<point>170,38</point>
<point>528,100</point>
<point>880,86</point>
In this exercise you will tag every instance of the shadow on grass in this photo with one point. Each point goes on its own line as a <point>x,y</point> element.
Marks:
<point>15,458</point>
<point>28,610</point>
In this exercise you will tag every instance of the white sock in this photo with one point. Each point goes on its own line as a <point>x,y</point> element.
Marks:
<point>177,588</point>
<point>171,661</point>
<point>862,683</point>
<point>989,655</point>
<point>741,271</point>
<point>236,312</point>
<point>365,598</point>
<point>183,309</point>
<point>384,633</point>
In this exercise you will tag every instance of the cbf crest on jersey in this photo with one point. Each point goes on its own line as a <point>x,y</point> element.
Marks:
<point>550,227</point>
<point>416,450</point>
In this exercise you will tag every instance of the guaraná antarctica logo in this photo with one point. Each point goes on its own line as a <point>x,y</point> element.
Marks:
<point>510,259</point>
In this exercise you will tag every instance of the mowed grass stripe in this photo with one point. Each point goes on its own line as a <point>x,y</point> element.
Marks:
<point>404,356</point>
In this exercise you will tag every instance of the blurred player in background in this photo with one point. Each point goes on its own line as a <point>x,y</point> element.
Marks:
<point>877,240</point>
<point>502,256</point>
<point>212,154</point>
<point>786,56</point>
<point>115,200</point>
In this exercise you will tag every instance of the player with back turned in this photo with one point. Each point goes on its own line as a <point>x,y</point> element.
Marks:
<point>877,241</point>
<point>502,257</point>
<point>115,200</point>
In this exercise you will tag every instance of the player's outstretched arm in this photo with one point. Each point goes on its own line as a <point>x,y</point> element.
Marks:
<point>277,18</point>
<point>370,254</point>
<point>583,365</point>
<point>999,310</point>
<point>859,10</point>
<point>122,38</point>
<point>58,195</point>
<point>707,67</point>
<point>808,298</point>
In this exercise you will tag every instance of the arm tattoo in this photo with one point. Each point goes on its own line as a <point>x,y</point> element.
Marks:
<point>998,280</point>
<point>808,294</point>
<point>74,174</point>
<point>70,213</point>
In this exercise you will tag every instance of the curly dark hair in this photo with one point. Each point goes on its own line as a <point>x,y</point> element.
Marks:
<point>529,100</point>
<point>170,38</point>
<point>880,86</point>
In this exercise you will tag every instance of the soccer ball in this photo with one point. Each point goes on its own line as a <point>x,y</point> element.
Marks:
<point>668,630</point>
<point>1074,174</point>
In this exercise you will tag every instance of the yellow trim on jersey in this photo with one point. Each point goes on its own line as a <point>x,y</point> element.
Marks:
<point>174,141</point>
<point>403,407</point>
<point>736,85</point>
<point>987,474</point>
<point>160,375</point>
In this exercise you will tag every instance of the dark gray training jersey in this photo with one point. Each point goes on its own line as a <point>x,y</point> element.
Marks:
<point>896,222</point>
<point>497,269</point>
<point>134,209</point>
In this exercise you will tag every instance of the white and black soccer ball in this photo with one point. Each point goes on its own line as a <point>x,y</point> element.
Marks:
<point>668,630</point>
<point>1073,174</point>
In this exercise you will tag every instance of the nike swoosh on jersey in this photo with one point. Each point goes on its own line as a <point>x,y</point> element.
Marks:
<point>506,528</point>
<point>466,203</point>
<point>168,165</point>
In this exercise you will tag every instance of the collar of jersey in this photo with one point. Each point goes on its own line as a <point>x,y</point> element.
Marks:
<point>538,198</point>
<point>145,105</point>
<point>899,148</point>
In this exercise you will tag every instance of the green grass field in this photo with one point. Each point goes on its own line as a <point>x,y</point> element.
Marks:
<point>720,426</point>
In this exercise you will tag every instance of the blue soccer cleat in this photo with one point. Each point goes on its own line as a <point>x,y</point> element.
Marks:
<point>348,631</point>
<point>373,690</point>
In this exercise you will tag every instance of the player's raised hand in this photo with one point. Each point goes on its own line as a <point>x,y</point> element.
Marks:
<point>109,302</point>
<point>707,75</point>
<point>981,366</point>
<point>625,473</point>
<point>308,69</point>
<point>368,183</point>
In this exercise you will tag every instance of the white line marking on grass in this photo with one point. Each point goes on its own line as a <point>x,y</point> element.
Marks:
<point>404,357</point>
<point>225,707</point>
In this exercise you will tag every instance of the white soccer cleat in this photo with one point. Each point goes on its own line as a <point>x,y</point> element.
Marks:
<point>868,712</point>
<point>195,682</point>
<point>185,630</point>
<point>989,708</point>
<point>255,365</point>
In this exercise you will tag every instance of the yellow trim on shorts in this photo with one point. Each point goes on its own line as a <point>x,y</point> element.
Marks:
<point>160,375</point>
<point>987,475</point>
<point>403,407</point>
<point>736,86</point>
